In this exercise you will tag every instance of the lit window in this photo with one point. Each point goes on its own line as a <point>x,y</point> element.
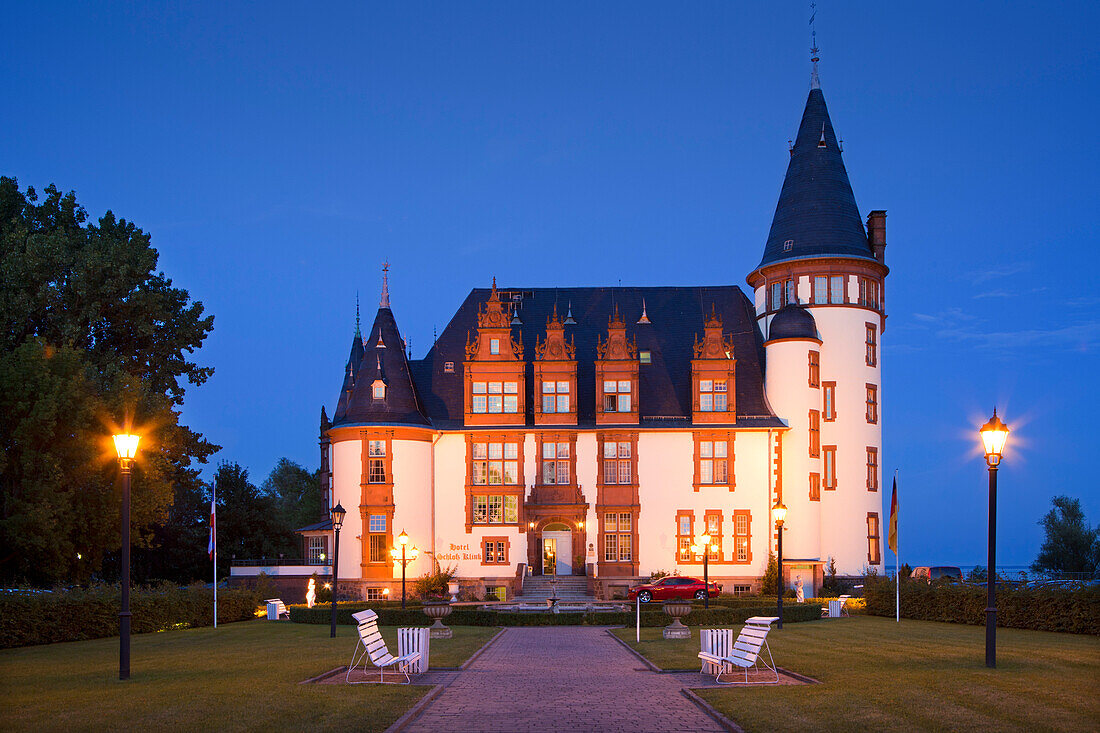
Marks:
<point>495,397</point>
<point>872,403</point>
<point>828,397</point>
<point>645,357</point>
<point>555,396</point>
<point>616,395</point>
<point>714,531</point>
<point>712,462</point>
<point>815,433</point>
<point>495,509</point>
<point>828,460</point>
<point>872,469</point>
<point>712,395</point>
<point>376,469</point>
<point>836,289</point>
<point>742,536</point>
<point>555,463</point>
<point>873,549</point>
<point>616,462</point>
<point>378,552</point>
<point>684,537</point>
<point>494,463</point>
<point>496,551</point>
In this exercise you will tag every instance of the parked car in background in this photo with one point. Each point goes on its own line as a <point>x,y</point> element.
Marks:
<point>935,572</point>
<point>673,586</point>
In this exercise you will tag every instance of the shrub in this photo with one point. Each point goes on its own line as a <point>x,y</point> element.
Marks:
<point>433,586</point>
<point>1075,610</point>
<point>770,581</point>
<point>92,613</point>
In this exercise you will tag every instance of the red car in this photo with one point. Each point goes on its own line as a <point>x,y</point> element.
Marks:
<point>673,586</point>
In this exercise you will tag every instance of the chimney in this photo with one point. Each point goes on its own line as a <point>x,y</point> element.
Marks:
<point>876,234</point>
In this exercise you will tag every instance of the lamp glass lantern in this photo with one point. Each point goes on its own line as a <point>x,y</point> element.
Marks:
<point>779,512</point>
<point>994,436</point>
<point>338,514</point>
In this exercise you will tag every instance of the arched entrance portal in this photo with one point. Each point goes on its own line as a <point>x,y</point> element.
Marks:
<point>557,549</point>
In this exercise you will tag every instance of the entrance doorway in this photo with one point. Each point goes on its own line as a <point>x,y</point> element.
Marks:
<point>557,550</point>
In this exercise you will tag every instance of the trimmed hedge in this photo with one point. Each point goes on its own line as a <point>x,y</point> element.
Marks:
<point>1073,610</point>
<point>466,616</point>
<point>28,618</point>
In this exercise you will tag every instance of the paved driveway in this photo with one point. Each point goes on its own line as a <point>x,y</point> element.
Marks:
<point>565,678</point>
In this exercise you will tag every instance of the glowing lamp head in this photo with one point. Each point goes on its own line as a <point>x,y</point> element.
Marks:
<point>338,513</point>
<point>414,553</point>
<point>385,591</point>
<point>395,553</point>
<point>126,446</point>
<point>402,539</point>
<point>994,435</point>
<point>779,512</point>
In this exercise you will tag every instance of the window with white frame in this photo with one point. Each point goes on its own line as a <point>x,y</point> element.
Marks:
<point>315,549</point>
<point>494,463</point>
<point>555,396</point>
<point>616,395</point>
<point>742,536</point>
<point>555,463</point>
<point>376,456</point>
<point>495,509</point>
<point>836,289</point>
<point>616,462</point>
<point>712,395</point>
<point>618,543</point>
<point>494,397</point>
<point>713,468</point>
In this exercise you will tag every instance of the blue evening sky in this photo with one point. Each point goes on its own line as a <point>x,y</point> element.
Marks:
<point>279,152</point>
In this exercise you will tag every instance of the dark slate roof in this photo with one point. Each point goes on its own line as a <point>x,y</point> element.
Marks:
<point>816,212</point>
<point>316,527</point>
<point>401,405</point>
<point>677,315</point>
<point>793,322</point>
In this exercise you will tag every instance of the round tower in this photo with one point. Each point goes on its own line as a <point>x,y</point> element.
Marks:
<point>820,258</point>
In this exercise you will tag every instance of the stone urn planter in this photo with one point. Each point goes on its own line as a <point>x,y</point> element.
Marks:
<point>438,610</point>
<point>452,588</point>
<point>677,609</point>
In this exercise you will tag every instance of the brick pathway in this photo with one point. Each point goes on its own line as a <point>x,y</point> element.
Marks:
<point>566,678</point>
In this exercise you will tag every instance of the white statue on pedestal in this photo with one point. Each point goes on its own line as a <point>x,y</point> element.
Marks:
<point>311,593</point>
<point>799,594</point>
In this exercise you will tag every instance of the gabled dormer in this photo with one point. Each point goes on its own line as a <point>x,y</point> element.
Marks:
<point>713,393</point>
<point>616,375</point>
<point>555,369</point>
<point>494,368</point>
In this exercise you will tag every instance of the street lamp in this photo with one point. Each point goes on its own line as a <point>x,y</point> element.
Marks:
<point>703,545</point>
<point>338,513</point>
<point>779,514</point>
<point>994,434</point>
<point>404,558</point>
<point>126,447</point>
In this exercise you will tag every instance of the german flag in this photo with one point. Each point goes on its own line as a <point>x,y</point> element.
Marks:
<point>892,538</point>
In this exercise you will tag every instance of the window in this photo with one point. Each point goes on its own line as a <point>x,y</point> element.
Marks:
<point>872,403</point>
<point>616,462</point>
<point>377,523</point>
<point>493,464</point>
<point>828,398</point>
<point>742,590</point>
<point>555,396</point>
<point>781,293</point>
<point>376,456</point>
<point>828,461</point>
<point>684,536</point>
<point>315,550</point>
<point>872,469</point>
<point>836,289</point>
<point>868,292</point>
<point>616,395</point>
<point>815,487</point>
<point>821,290</point>
<point>815,369</point>
<point>378,548</point>
<point>555,463</point>
<point>495,397</point>
<point>375,594</point>
<point>815,434</point>
<point>742,536</point>
<point>495,509</point>
<point>873,556</point>
<point>448,367</point>
<point>618,542</point>
<point>645,357</point>
<point>712,395</point>
<point>713,468</point>
<point>872,345</point>
<point>494,551</point>
<point>714,531</point>
<point>494,346</point>
<point>378,389</point>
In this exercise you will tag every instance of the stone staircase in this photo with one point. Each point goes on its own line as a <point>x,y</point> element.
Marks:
<point>570,589</point>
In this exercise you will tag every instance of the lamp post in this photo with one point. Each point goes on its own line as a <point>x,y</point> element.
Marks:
<point>703,545</point>
<point>126,447</point>
<point>779,513</point>
<point>994,434</point>
<point>404,558</point>
<point>338,513</point>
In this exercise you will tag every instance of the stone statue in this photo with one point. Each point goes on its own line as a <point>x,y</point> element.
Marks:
<point>799,595</point>
<point>311,593</point>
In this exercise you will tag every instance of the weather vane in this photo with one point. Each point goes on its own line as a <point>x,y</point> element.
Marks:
<point>815,83</point>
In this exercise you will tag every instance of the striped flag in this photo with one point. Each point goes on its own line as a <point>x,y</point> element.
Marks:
<point>892,538</point>
<point>210,545</point>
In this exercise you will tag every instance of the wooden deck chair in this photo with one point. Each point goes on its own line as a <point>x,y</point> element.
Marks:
<point>371,646</point>
<point>721,656</point>
<point>826,611</point>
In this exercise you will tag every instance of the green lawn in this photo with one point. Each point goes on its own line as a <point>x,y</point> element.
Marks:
<point>881,675</point>
<point>242,676</point>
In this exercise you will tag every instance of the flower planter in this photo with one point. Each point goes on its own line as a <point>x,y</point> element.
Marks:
<point>453,588</point>
<point>677,609</point>
<point>438,611</point>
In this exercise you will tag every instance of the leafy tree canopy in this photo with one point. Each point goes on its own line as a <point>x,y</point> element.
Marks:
<point>92,337</point>
<point>1071,546</point>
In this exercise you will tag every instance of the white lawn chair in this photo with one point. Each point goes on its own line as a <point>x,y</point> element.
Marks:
<point>373,647</point>
<point>829,610</point>
<point>276,609</point>
<point>722,654</point>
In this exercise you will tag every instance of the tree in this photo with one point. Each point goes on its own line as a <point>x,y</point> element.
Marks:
<point>92,338</point>
<point>1071,546</point>
<point>769,583</point>
<point>296,493</point>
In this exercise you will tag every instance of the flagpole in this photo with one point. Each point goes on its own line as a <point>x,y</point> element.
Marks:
<point>897,559</point>
<point>214,537</point>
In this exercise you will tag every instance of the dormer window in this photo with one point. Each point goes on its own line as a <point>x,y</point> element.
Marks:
<point>378,389</point>
<point>555,396</point>
<point>495,397</point>
<point>616,395</point>
<point>645,357</point>
<point>448,367</point>
<point>712,395</point>
<point>494,346</point>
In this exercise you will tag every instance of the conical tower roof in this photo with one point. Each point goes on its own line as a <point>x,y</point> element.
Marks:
<point>816,215</point>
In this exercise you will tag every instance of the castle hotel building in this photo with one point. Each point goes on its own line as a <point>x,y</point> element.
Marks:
<point>599,430</point>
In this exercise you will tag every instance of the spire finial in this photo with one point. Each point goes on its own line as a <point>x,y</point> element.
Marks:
<point>385,302</point>
<point>357,333</point>
<point>644,318</point>
<point>815,82</point>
